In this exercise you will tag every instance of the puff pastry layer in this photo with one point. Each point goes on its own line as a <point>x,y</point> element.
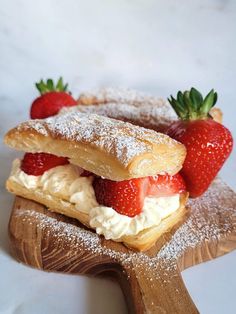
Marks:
<point>141,242</point>
<point>131,106</point>
<point>107,147</point>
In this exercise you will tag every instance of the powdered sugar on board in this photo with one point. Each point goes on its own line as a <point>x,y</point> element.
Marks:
<point>213,216</point>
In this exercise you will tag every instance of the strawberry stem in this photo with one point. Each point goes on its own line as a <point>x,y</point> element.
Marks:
<point>190,105</point>
<point>48,86</point>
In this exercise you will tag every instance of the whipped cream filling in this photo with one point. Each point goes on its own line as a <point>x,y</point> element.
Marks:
<point>66,183</point>
<point>114,225</point>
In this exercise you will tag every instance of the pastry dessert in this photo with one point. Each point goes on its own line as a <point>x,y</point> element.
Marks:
<point>131,106</point>
<point>101,162</point>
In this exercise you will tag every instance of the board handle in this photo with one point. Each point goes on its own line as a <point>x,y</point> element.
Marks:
<point>157,290</point>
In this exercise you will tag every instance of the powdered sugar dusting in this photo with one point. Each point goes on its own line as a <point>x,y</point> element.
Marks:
<point>212,216</point>
<point>117,138</point>
<point>145,115</point>
<point>119,95</point>
<point>111,94</point>
<point>204,222</point>
<point>127,105</point>
<point>36,125</point>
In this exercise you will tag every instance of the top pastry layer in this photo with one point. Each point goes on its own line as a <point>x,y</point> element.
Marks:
<point>109,148</point>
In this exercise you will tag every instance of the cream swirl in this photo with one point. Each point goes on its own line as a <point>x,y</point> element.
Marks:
<point>62,181</point>
<point>114,225</point>
<point>66,183</point>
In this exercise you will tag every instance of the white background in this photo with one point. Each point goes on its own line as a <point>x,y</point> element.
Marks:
<point>155,46</point>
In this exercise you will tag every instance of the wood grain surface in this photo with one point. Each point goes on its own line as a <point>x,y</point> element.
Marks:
<point>151,281</point>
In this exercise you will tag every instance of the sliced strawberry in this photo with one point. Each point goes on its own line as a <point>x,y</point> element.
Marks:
<point>126,197</point>
<point>86,173</point>
<point>52,99</point>
<point>36,164</point>
<point>166,185</point>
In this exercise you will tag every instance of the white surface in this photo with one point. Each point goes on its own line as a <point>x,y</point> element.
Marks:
<point>157,46</point>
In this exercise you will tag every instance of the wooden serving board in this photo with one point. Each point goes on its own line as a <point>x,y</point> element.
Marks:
<point>151,281</point>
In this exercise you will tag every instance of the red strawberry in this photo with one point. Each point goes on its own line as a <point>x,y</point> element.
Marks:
<point>52,99</point>
<point>86,173</point>
<point>126,197</point>
<point>208,142</point>
<point>36,164</point>
<point>166,185</point>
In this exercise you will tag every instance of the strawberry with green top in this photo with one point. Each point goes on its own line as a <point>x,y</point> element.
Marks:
<point>52,98</point>
<point>208,142</point>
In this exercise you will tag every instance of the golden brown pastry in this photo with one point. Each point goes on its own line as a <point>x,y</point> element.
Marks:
<point>131,106</point>
<point>119,96</point>
<point>216,114</point>
<point>142,241</point>
<point>107,147</point>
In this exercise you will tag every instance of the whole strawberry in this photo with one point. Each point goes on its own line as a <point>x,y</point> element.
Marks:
<point>52,99</point>
<point>208,142</point>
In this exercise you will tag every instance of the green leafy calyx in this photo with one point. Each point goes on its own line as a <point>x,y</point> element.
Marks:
<point>49,86</point>
<point>190,105</point>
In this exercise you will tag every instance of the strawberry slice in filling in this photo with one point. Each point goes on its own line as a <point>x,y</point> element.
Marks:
<point>166,185</point>
<point>127,197</point>
<point>36,164</point>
